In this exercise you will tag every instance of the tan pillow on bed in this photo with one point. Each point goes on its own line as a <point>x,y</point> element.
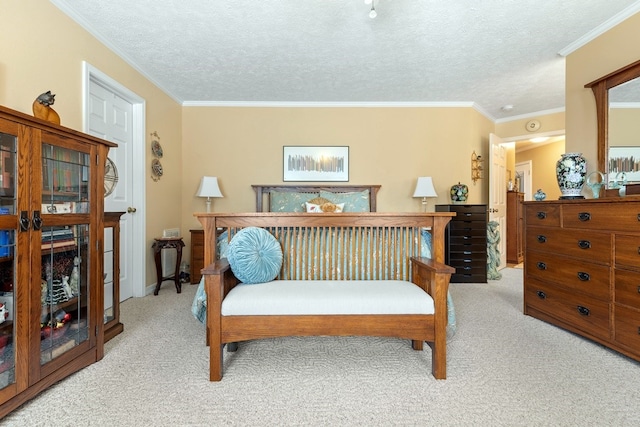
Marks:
<point>325,207</point>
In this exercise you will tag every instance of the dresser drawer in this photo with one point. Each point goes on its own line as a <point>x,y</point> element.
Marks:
<point>544,214</point>
<point>627,250</point>
<point>602,216</point>
<point>467,230</point>
<point>572,274</point>
<point>460,242</point>
<point>596,247</point>
<point>467,263</point>
<point>465,209</point>
<point>627,327</point>
<point>580,311</point>
<point>627,287</point>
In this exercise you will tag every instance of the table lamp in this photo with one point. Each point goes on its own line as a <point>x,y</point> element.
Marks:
<point>209,188</point>
<point>424,189</point>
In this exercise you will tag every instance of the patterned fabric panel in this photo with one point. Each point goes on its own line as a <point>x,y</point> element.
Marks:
<point>353,202</point>
<point>288,201</point>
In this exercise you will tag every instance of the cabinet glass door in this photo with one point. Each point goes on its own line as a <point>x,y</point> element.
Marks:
<point>65,251</point>
<point>8,276</point>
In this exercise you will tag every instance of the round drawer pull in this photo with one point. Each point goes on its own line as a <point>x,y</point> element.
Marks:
<point>583,276</point>
<point>543,239</point>
<point>584,244</point>
<point>541,295</point>
<point>639,289</point>
<point>542,215</point>
<point>584,216</point>
<point>584,311</point>
<point>541,265</point>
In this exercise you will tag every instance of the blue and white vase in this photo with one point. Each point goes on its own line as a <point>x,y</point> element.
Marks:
<point>571,170</point>
<point>539,195</point>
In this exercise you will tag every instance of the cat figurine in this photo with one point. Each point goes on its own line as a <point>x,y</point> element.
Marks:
<point>42,108</point>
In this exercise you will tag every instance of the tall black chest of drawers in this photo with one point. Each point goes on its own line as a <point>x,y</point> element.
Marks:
<point>466,242</point>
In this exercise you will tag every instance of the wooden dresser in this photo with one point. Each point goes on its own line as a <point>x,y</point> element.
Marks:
<point>582,268</point>
<point>515,227</point>
<point>466,242</point>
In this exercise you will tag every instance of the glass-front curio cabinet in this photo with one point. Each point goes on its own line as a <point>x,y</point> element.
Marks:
<point>51,254</point>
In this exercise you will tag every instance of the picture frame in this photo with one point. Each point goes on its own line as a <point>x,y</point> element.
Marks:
<point>315,163</point>
<point>624,159</point>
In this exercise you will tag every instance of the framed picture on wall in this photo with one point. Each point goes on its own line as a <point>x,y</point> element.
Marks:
<point>316,163</point>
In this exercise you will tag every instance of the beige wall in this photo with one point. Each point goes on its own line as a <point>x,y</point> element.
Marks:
<point>543,166</point>
<point>607,53</point>
<point>42,49</point>
<point>387,146</point>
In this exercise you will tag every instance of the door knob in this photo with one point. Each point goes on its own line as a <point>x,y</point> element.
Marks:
<point>131,210</point>
<point>493,210</point>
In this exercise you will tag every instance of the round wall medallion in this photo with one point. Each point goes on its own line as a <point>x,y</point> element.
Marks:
<point>532,125</point>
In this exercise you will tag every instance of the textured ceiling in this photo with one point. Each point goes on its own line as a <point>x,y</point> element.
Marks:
<point>487,53</point>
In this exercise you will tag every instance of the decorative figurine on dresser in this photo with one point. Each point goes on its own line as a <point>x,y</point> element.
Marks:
<point>466,242</point>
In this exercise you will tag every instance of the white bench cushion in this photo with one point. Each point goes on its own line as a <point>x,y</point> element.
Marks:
<point>300,297</point>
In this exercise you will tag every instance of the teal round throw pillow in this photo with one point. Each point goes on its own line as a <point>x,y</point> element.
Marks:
<point>255,256</point>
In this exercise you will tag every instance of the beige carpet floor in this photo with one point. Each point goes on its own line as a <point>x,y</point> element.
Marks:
<point>504,369</point>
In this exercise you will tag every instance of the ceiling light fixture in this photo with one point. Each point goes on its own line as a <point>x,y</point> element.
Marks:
<point>372,13</point>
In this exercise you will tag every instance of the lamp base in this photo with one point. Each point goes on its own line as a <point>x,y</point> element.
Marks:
<point>424,204</point>
<point>208,204</point>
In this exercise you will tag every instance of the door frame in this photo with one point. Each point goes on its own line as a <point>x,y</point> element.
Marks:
<point>138,222</point>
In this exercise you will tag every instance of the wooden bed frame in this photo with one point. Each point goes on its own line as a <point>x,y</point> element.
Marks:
<point>265,190</point>
<point>432,275</point>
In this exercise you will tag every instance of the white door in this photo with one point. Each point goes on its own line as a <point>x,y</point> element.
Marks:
<point>498,193</point>
<point>110,113</point>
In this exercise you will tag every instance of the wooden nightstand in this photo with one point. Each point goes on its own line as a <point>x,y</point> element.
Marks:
<point>197,255</point>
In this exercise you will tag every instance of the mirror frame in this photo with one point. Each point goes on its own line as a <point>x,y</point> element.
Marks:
<point>600,90</point>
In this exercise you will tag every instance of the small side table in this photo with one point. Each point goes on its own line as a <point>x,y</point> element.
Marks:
<point>159,244</point>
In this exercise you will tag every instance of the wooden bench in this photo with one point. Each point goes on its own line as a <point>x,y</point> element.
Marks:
<point>348,246</point>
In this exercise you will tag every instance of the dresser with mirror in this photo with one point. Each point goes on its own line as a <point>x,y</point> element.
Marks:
<point>582,257</point>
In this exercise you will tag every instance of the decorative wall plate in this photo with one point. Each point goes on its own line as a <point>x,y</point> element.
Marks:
<point>110,177</point>
<point>156,169</point>
<point>156,149</point>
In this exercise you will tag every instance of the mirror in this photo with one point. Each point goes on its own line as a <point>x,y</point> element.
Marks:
<point>618,112</point>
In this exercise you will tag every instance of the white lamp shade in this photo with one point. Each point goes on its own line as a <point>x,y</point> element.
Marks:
<point>209,187</point>
<point>424,187</point>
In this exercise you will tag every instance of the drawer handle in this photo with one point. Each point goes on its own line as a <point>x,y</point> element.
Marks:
<point>638,250</point>
<point>584,244</point>
<point>542,215</point>
<point>466,252</point>
<point>543,239</point>
<point>639,289</point>
<point>583,310</point>
<point>583,276</point>
<point>639,217</point>
<point>584,216</point>
<point>541,295</point>
<point>541,266</point>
